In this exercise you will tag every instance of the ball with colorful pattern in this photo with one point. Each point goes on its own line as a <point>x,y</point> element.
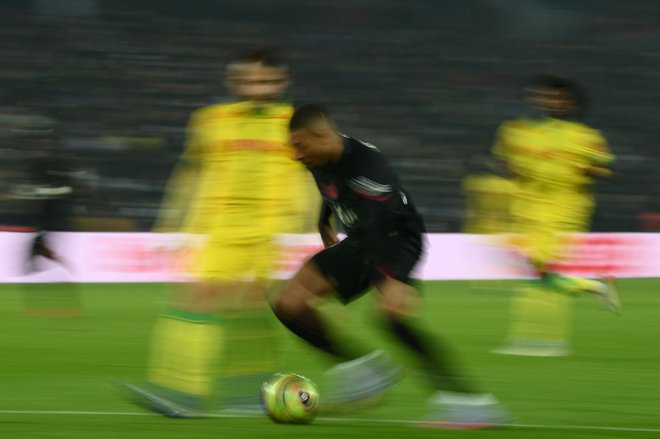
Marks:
<point>290,399</point>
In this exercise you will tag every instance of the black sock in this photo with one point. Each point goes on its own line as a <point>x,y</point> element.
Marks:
<point>307,325</point>
<point>433,355</point>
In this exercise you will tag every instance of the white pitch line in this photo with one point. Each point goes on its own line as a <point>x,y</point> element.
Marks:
<point>585,427</point>
<point>92,413</point>
<point>535,426</point>
<point>329,419</point>
<point>71,412</point>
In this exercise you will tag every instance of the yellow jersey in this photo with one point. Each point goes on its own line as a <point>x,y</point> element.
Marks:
<point>488,199</point>
<point>551,154</point>
<point>248,184</point>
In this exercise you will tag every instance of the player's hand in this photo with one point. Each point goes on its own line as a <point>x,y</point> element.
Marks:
<point>328,236</point>
<point>598,171</point>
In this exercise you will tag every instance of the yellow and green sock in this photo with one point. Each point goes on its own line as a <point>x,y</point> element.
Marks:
<point>251,356</point>
<point>570,284</point>
<point>185,352</point>
<point>541,316</point>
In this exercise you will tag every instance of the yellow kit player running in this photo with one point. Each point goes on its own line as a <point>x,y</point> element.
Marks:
<point>238,185</point>
<point>488,191</point>
<point>554,160</point>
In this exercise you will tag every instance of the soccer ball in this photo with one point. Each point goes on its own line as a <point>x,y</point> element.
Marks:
<point>290,399</point>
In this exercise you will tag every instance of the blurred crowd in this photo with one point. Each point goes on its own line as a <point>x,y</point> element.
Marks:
<point>114,82</point>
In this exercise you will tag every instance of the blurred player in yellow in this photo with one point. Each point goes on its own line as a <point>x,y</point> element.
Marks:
<point>554,158</point>
<point>238,185</point>
<point>488,190</point>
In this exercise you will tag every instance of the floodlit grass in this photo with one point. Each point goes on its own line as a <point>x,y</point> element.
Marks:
<point>56,364</point>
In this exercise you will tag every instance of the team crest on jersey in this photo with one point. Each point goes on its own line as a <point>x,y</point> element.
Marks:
<point>330,190</point>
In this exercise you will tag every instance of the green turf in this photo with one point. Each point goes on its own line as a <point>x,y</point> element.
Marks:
<point>69,364</point>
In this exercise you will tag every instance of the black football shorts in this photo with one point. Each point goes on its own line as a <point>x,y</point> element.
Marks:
<point>353,267</point>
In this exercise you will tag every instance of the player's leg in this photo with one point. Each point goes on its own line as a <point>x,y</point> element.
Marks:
<point>539,317</point>
<point>550,244</point>
<point>184,349</point>
<point>604,288</point>
<point>250,346</point>
<point>182,356</point>
<point>189,338</point>
<point>293,306</point>
<point>398,304</point>
<point>539,323</point>
<point>571,214</point>
<point>355,377</point>
<point>456,403</point>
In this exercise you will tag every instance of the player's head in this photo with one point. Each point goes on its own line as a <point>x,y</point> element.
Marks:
<point>314,137</point>
<point>555,96</point>
<point>259,75</point>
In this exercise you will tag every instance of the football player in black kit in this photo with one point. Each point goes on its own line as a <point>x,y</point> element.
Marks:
<point>384,242</point>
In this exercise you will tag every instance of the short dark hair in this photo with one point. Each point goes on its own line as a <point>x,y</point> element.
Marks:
<point>305,115</point>
<point>266,56</point>
<point>574,90</point>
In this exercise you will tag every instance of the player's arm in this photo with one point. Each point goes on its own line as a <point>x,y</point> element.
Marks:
<point>501,151</point>
<point>327,231</point>
<point>181,184</point>
<point>600,158</point>
<point>599,171</point>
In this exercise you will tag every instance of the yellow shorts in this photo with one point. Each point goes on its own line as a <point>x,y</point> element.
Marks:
<point>542,247</point>
<point>232,261</point>
<point>544,223</point>
<point>240,242</point>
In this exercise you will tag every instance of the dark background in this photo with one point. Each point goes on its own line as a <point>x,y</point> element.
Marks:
<point>426,81</point>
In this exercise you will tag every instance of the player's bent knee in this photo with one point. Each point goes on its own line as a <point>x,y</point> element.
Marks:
<point>300,291</point>
<point>397,300</point>
<point>291,300</point>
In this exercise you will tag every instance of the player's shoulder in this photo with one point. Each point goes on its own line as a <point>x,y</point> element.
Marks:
<point>366,161</point>
<point>517,123</point>
<point>206,113</point>
<point>282,108</point>
<point>365,156</point>
<point>359,147</point>
<point>583,127</point>
<point>219,109</point>
<point>240,108</point>
<point>584,131</point>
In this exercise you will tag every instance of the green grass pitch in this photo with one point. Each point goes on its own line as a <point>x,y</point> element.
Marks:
<point>57,374</point>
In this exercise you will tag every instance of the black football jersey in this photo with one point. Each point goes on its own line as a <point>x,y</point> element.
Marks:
<point>366,196</point>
